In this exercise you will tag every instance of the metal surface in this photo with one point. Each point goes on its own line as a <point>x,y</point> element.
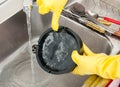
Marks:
<point>13,34</point>
<point>16,72</point>
<point>2,2</point>
<point>8,8</point>
<point>16,66</point>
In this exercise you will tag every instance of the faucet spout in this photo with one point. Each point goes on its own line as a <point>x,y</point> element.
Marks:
<point>27,5</point>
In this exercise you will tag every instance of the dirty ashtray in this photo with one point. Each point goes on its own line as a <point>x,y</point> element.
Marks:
<point>55,48</point>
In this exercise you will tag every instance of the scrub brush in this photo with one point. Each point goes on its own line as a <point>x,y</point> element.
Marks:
<point>80,11</point>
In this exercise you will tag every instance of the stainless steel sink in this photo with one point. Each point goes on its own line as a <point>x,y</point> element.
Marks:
<point>15,70</point>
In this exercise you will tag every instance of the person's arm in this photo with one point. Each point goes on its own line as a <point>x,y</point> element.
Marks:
<point>100,64</point>
<point>56,6</point>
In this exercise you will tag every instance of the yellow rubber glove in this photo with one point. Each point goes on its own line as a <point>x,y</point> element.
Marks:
<point>100,64</point>
<point>56,6</point>
<point>95,81</point>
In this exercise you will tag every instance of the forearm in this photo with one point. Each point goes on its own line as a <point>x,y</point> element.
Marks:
<point>109,67</point>
<point>100,64</point>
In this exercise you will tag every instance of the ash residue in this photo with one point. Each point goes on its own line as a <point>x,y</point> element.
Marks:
<point>57,50</point>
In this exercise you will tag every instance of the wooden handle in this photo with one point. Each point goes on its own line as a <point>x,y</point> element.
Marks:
<point>117,33</point>
<point>95,27</point>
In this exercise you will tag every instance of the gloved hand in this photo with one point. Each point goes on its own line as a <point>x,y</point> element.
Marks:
<point>56,6</point>
<point>100,64</point>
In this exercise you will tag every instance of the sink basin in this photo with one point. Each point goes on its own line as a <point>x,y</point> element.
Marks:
<point>16,71</point>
